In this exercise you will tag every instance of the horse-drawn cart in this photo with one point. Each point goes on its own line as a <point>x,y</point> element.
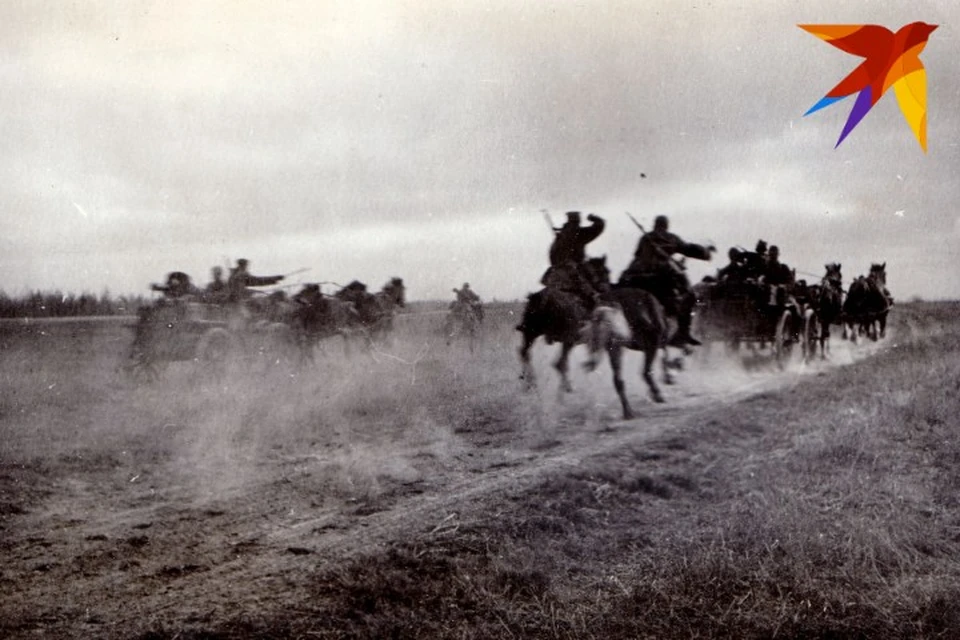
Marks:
<point>737,313</point>
<point>185,330</point>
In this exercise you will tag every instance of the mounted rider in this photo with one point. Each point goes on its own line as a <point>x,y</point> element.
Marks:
<point>655,270</point>
<point>239,315</point>
<point>178,286</point>
<point>567,270</point>
<point>240,278</point>
<point>467,299</point>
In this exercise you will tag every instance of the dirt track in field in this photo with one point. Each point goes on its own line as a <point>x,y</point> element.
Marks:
<point>108,541</point>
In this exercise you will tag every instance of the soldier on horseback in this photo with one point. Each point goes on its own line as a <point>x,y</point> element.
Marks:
<point>177,286</point>
<point>568,256</point>
<point>468,300</point>
<point>240,279</point>
<point>654,269</point>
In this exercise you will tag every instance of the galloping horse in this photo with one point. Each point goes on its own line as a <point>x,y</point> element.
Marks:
<point>827,301</point>
<point>463,320</point>
<point>867,305</point>
<point>631,318</point>
<point>316,317</point>
<point>376,310</point>
<point>559,316</point>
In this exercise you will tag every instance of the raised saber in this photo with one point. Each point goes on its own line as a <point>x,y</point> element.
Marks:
<point>546,216</point>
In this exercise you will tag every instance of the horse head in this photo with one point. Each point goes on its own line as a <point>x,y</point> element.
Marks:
<point>878,272</point>
<point>833,276</point>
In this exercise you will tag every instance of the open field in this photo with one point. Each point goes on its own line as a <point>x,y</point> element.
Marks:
<point>419,492</point>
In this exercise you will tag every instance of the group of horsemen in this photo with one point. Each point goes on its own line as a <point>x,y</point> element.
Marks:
<point>655,269</point>
<point>237,292</point>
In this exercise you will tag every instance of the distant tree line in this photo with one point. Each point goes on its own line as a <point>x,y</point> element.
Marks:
<point>56,304</point>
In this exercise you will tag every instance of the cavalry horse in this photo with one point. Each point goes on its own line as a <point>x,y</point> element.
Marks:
<point>631,318</point>
<point>867,305</point>
<point>376,310</point>
<point>827,301</point>
<point>313,317</point>
<point>463,320</point>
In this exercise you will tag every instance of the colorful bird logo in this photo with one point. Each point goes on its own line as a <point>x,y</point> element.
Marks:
<point>891,59</point>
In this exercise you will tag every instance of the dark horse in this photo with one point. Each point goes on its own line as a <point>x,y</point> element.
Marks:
<point>376,310</point>
<point>558,316</point>
<point>630,318</point>
<point>827,302</point>
<point>312,317</point>
<point>867,305</point>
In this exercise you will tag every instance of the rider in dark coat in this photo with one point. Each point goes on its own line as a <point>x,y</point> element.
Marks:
<point>568,256</point>
<point>467,299</point>
<point>736,270</point>
<point>240,279</point>
<point>178,286</point>
<point>777,273</point>
<point>654,269</point>
<point>756,261</point>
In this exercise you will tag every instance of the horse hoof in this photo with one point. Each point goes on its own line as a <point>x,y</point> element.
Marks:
<point>628,415</point>
<point>658,398</point>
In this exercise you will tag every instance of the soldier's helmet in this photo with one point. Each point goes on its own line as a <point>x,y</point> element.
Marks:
<point>242,262</point>
<point>761,246</point>
<point>734,254</point>
<point>217,272</point>
<point>573,217</point>
<point>774,251</point>
<point>661,223</point>
<point>466,285</point>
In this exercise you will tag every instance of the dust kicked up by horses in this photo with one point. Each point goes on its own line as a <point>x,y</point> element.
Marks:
<point>755,301</point>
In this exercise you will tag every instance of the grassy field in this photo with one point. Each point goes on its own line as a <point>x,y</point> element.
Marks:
<point>418,492</point>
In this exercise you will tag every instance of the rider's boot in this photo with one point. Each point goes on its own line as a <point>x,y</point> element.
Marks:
<point>682,337</point>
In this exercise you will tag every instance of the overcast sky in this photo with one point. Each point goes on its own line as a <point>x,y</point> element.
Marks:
<point>422,139</point>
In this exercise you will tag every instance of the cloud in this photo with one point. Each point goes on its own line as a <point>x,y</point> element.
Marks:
<point>378,137</point>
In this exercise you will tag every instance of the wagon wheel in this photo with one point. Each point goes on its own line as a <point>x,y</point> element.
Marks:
<point>783,339</point>
<point>214,350</point>
<point>811,332</point>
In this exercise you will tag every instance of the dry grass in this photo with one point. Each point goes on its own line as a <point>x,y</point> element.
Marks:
<point>824,511</point>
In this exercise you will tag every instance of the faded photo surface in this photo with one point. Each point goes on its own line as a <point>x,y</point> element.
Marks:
<point>447,318</point>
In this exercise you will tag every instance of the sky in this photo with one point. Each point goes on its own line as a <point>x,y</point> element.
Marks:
<point>425,139</point>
